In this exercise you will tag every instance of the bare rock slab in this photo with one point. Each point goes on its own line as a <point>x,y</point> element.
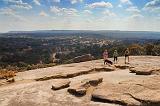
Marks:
<point>74,73</point>
<point>148,97</point>
<point>114,94</point>
<point>122,66</point>
<point>144,92</point>
<point>141,70</point>
<point>80,89</point>
<point>61,84</point>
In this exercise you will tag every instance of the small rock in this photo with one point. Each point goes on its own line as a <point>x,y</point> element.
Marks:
<point>11,80</point>
<point>81,88</point>
<point>60,84</point>
<point>141,71</point>
<point>93,81</point>
<point>77,91</point>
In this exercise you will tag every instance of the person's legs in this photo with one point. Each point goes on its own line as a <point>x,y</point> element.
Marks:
<point>104,62</point>
<point>116,59</point>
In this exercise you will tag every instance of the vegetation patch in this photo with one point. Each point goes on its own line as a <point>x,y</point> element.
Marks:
<point>4,74</point>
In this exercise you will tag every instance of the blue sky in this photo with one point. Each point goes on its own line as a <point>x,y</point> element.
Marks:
<point>139,15</point>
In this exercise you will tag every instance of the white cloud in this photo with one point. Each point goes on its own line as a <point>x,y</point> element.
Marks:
<point>88,12</point>
<point>109,13</point>
<point>101,4</point>
<point>133,9</point>
<point>7,11</point>
<point>37,2</point>
<point>11,13</point>
<point>22,6</point>
<point>55,9</point>
<point>154,3</point>
<point>44,14</point>
<point>126,2</point>
<point>158,17</point>
<point>13,1</point>
<point>64,11</point>
<point>157,10</point>
<point>136,16</point>
<point>75,1</point>
<point>152,6</point>
<point>18,4</point>
<point>89,21</point>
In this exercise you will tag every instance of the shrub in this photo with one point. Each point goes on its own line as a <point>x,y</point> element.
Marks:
<point>4,74</point>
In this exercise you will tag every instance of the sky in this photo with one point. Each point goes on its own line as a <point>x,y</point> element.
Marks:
<point>128,15</point>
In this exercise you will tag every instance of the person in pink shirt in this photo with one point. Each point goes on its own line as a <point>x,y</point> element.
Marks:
<point>105,57</point>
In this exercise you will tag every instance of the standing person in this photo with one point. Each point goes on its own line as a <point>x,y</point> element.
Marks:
<point>126,54</point>
<point>105,56</point>
<point>115,55</point>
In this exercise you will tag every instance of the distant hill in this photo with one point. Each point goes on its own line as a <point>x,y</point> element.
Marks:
<point>112,34</point>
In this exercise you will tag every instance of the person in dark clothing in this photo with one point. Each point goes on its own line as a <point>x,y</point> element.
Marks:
<point>115,56</point>
<point>126,54</point>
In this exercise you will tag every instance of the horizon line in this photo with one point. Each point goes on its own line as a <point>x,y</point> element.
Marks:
<point>78,30</point>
